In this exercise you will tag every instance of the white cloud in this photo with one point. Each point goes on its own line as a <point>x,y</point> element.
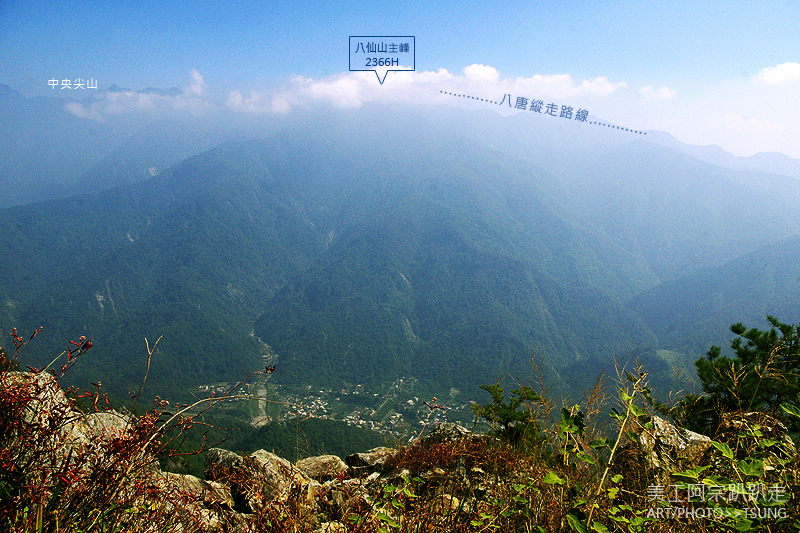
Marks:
<point>481,72</point>
<point>560,86</point>
<point>353,89</point>
<point>343,90</point>
<point>599,86</point>
<point>662,93</point>
<point>256,103</point>
<point>347,89</point>
<point>198,85</point>
<point>741,116</point>
<point>109,103</point>
<point>84,112</point>
<point>280,105</point>
<point>738,115</point>
<point>783,73</point>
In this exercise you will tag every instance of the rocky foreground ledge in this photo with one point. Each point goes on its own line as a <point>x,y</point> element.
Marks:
<point>319,490</point>
<point>58,461</point>
<point>54,451</point>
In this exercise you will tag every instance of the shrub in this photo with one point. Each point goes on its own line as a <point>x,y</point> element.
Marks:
<point>67,468</point>
<point>763,374</point>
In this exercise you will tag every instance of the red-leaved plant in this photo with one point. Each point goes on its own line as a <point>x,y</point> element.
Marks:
<point>64,467</point>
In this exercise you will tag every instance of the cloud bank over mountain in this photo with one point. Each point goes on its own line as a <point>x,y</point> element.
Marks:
<point>350,89</point>
<point>743,116</point>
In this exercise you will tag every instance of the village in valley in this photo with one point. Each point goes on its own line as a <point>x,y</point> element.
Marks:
<point>397,409</point>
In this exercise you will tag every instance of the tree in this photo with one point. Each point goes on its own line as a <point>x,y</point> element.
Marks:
<point>517,418</point>
<point>763,374</point>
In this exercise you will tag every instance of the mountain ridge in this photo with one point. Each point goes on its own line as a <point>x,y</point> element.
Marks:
<point>356,258</point>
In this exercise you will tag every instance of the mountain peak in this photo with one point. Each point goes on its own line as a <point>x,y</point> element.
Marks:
<point>7,93</point>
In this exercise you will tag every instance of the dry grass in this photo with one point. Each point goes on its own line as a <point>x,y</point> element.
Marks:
<point>571,474</point>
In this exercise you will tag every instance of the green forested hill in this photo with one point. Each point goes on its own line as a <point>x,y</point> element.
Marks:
<point>368,245</point>
<point>453,267</point>
<point>688,313</point>
<point>191,254</point>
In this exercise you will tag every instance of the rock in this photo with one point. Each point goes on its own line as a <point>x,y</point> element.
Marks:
<point>105,423</point>
<point>92,447</point>
<point>746,431</point>
<point>667,445</point>
<point>314,490</point>
<point>741,425</point>
<point>64,431</point>
<point>257,479</point>
<point>322,467</point>
<point>278,475</point>
<point>216,458</point>
<point>395,476</point>
<point>44,393</point>
<point>376,459</point>
<point>100,428</point>
<point>447,432</point>
<point>338,498</point>
<point>662,450</point>
<point>331,527</point>
<point>208,492</point>
<point>229,468</point>
<point>45,404</point>
<point>209,501</point>
<point>446,503</point>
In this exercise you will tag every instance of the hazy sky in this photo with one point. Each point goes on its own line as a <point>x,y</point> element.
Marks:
<point>725,73</point>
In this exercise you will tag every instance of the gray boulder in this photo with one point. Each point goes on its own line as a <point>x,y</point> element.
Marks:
<point>447,432</point>
<point>219,462</point>
<point>375,460</point>
<point>259,478</point>
<point>661,450</point>
<point>322,467</point>
<point>667,446</point>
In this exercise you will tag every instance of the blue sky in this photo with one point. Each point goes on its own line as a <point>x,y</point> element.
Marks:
<point>708,73</point>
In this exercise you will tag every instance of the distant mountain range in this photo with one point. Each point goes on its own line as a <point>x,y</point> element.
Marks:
<point>47,152</point>
<point>763,162</point>
<point>363,245</point>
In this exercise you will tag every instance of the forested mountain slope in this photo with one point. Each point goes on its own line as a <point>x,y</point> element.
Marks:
<point>368,244</point>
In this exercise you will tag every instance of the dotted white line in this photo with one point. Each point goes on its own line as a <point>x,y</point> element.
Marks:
<point>499,103</point>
